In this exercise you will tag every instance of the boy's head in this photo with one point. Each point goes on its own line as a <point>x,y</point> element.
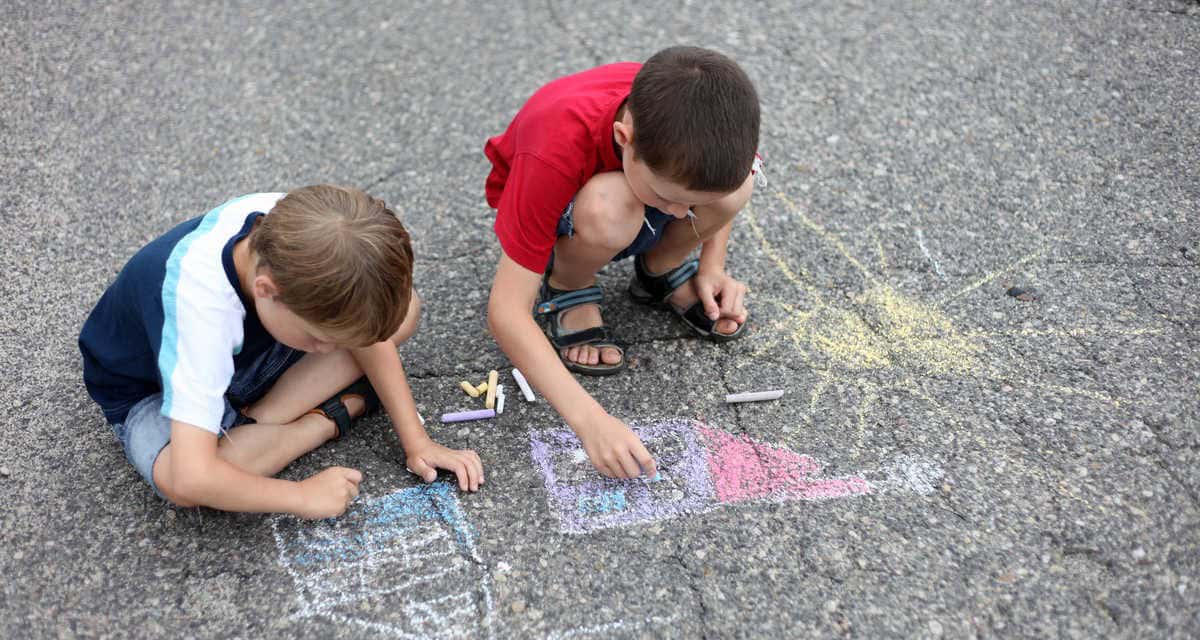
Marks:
<point>337,260</point>
<point>692,119</point>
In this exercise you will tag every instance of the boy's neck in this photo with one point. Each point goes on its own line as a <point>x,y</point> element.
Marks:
<point>245,264</point>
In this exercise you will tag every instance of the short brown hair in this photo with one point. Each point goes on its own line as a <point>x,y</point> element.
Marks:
<point>695,118</point>
<point>341,261</point>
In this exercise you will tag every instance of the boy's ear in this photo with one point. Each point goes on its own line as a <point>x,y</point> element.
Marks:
<point>264,286</point>
<point>623,131</point>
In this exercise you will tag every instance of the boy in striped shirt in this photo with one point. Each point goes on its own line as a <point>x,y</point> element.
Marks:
<point>238,341</point>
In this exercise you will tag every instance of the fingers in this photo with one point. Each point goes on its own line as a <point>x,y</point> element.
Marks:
<point>421,468</point>
<point>476,466</point>
<point>645,461</point>
<point>732,300</point>
<point>708,297</point>
<point>629,466</point>
<point>353,475</point>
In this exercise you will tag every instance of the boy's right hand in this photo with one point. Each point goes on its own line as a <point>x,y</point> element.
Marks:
<point>615,449</point>
<point>327,494</point>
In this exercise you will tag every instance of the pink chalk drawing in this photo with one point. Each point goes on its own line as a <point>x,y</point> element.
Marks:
<point>699,469</point>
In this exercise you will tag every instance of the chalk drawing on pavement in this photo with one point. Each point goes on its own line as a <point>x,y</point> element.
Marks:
<point>875,342</point>
<point>403,565</point>
<point>700,469</point>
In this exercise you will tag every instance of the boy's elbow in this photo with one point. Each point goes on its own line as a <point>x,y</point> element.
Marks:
<point>189,486</point>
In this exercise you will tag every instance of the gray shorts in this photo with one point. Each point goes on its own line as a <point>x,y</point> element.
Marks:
<point>146,431</point>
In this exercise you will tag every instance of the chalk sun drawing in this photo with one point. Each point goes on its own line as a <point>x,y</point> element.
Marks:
<point>901,343</point>
<point>700,469</point>
<point>404,565</point>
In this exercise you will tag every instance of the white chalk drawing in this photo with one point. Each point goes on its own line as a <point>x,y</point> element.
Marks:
<point>404,565</point>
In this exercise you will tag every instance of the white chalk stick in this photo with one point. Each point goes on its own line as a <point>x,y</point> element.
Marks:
<point>499,403</point>
<point>524,384</point>
<point>754,396</point>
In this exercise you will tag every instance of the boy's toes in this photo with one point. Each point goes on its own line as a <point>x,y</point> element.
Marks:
<point>610,356</point>
<point>726,326</point>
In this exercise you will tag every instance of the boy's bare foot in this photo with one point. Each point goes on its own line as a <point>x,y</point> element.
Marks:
<point>685,296</point>
<point>587,316</point>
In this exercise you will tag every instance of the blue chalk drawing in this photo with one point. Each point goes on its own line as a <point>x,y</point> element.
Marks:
<point>404,565</point>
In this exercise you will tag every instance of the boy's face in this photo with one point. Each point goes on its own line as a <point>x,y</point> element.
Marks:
<point>284,325</point>
<point>650,188</point>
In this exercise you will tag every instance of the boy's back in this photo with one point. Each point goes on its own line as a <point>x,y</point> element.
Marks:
<point>175,320</point>
<point>558,140</point>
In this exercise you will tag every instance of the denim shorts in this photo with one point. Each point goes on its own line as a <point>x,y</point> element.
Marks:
<point>651,232</point>
<point>146,431</point>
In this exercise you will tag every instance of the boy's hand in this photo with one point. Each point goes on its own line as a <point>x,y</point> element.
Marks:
<point>722,296</point>
<point>425,459</point>
<point>327,494</point>
<point>615,450</point>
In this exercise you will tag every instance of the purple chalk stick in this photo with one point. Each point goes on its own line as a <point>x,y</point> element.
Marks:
<point>463,416</point>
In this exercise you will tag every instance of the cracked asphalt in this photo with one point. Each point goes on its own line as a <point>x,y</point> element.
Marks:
<point>923,158</point>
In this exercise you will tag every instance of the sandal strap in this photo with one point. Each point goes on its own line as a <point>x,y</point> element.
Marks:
<point>661,286</point>
<point>336,410</point>
<point>554,300</point>
<point>600,336</point>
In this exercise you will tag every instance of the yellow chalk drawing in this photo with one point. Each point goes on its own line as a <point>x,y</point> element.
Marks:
<point>841,338</point>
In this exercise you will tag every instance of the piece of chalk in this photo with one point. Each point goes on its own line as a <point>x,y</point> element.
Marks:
<point>482,388</point>
<point>754,396</point>
<point>419,417</point>
<point>493,379</point>
<point>524,384</point>
<point>499,403</point>
<point>469,388</point>
<point>463,416</point>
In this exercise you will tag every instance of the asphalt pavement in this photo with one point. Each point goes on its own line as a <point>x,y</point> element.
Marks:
<point>973,271</point>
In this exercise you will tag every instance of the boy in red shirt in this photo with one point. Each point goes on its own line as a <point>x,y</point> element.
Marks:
<point>650,161</point>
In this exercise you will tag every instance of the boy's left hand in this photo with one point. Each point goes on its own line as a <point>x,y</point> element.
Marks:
<point>722,296</point>
<point>424,460</point>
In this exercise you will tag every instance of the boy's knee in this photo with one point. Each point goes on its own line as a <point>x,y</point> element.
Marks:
<point>607,213</point>
<point>729,205</point>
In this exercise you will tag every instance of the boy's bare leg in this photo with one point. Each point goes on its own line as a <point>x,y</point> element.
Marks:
<point>265,449</point>
<point>681,238</point>
<point>283,428</point>
<point>606,219</point>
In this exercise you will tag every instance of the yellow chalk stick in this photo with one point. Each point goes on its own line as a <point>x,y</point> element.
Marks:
<point>466,386</point>
<point>493,380</point>
<point>482,388</point>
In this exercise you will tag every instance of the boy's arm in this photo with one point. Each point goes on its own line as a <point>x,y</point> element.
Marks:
<point>722,295</point>
<point>198,476</point>
<point>613,448</point>
<point>381,363</point>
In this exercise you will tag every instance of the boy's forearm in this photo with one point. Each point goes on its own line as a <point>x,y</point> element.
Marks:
<point>381,363</point>
<point>713,250</point>
<point>523,342</point>
<point>220,485</point>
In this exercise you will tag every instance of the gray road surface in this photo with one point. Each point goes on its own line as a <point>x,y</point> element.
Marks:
<point>993,467</point>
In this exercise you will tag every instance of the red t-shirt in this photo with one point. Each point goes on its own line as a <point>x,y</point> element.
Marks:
<point>560,139</point>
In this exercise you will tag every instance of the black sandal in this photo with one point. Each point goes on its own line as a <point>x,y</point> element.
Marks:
<point>654,289</point>
<point>552,303</point>
<point>335,407</point>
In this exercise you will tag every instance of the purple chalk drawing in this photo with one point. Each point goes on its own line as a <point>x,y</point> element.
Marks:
<point>700,468</point>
